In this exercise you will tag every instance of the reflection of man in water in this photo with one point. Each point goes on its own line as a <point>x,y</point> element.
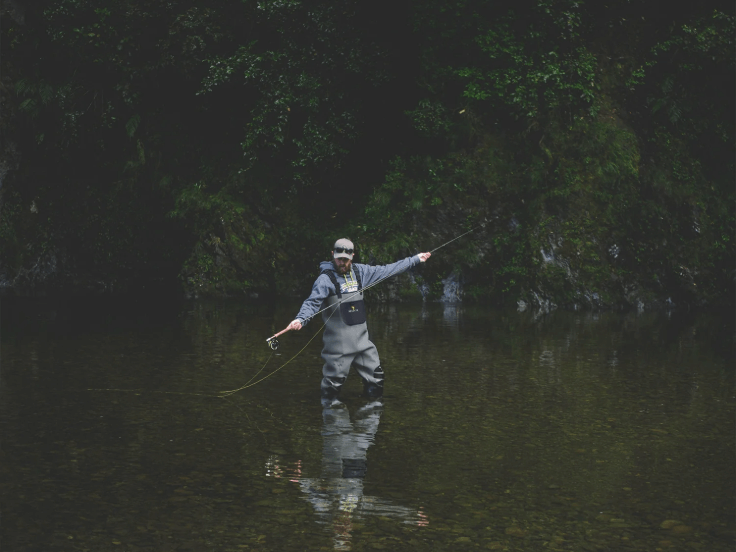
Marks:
<point>337,496</point>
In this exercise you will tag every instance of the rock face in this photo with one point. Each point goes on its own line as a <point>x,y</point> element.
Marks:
<point>46,271</point>
<point>452,291</point>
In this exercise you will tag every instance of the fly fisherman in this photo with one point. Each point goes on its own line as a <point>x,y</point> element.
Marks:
<point>346,333</point>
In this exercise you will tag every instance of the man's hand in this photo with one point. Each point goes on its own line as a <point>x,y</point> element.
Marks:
<point>424,256</point>
<point>295,325</point>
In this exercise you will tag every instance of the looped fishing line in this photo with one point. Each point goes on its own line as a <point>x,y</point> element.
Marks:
<point>227,393</point>
<point>249,384</point>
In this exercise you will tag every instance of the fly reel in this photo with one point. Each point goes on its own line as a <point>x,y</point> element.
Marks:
<point>273,343</point>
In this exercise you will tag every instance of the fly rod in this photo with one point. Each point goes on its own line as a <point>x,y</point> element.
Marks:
<point>458,237</point>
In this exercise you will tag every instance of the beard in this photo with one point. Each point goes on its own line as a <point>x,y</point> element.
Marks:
<point>343,268</point>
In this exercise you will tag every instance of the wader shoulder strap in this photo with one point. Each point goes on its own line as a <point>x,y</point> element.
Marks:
<point>357,277</point>
<point>332,277</point>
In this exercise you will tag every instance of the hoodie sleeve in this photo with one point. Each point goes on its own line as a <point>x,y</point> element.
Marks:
<point>372,274</point>
<point>320,290</point>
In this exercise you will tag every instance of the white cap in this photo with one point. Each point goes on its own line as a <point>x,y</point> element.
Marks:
<point>344,249</point>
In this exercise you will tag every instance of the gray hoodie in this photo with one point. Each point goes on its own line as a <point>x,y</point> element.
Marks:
<point>323,286</point>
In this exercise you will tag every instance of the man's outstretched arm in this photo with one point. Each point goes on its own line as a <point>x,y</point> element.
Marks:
<point>320,291</point>
<point>372,274</point>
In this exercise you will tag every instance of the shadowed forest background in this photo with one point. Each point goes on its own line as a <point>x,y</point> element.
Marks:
<point>221,147</point>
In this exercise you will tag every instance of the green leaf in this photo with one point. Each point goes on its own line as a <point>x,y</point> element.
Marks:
<point>132,125</point>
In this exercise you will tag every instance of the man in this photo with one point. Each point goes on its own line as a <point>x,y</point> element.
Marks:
<point>339,291</point>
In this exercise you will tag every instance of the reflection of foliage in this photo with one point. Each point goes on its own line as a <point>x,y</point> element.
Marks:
<point>610,399</point>
<point>502,423</point>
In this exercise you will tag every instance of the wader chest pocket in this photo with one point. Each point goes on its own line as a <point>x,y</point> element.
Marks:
<point>353,313</point>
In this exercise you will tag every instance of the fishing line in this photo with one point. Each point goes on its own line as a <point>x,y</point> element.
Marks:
<point>226,393</point>
<point>249,384</point>
<point>140,391</point>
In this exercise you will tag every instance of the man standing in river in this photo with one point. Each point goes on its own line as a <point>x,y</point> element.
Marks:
<point>339,291</point>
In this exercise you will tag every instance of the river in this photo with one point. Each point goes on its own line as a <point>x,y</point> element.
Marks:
<point>499,430</point>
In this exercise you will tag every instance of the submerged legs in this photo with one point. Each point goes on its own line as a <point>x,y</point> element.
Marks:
<point>337,367</point>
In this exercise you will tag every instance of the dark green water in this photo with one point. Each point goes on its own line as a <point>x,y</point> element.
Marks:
<point>499,431</point>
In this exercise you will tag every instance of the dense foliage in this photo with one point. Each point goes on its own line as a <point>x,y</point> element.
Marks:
<point>227,145</point>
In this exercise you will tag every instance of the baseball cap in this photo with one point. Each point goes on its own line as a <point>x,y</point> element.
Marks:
<point>343,249</point>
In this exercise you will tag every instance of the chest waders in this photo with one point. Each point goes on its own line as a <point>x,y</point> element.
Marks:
<point>346,342</point>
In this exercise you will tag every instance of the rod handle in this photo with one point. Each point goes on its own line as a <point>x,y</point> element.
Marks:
<point>278,334</point>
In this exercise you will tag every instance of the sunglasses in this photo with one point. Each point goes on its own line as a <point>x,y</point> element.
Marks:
<point>343,250</point>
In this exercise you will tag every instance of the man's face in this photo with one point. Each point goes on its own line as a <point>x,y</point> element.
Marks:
<point>343,265</point>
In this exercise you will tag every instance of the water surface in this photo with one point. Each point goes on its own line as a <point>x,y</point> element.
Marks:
<point>499,431</point>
